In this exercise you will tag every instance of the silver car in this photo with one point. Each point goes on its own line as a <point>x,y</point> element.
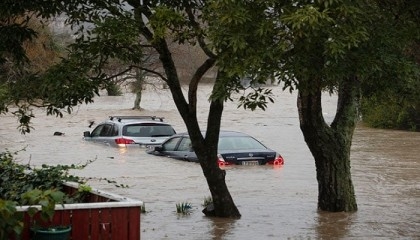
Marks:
<point>127,131</point>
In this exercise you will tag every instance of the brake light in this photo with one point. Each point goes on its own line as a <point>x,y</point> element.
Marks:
<point>278,161</point>
<point>221,161</point>
<point>121,142</point>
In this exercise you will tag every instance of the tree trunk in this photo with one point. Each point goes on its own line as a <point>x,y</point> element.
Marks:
<point>137,101</point>
<point>204,147</point>
<point>330,145</point>
<point>223,204</point>
<point>137,88</point>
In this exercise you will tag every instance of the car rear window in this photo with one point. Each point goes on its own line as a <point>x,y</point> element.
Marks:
<point>239,143</point>
<point>148,130</point>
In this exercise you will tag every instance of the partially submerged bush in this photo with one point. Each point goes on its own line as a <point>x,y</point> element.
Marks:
<point>207,201</point>
<point>184,208</point>
<point>143,208</point>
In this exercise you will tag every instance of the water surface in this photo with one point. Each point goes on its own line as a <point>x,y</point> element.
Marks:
<point>275,203</point>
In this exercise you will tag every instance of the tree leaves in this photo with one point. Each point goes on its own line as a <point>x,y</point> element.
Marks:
<point>259,98</point>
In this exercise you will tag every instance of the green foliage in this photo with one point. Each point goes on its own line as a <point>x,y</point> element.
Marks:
<point>22,184</point>
<point>23,23</point>
<point>84,188</point>
<point>14,33</point>
<point>184,208</point>
<point>207,201</point>
<point>47,199</point>
<point>391,111</point>
<point>244,36</point>
<point>113,89</point>
<point>257,99</point>
<point>25,185</point>
<point>16,179</point>
<point>143,208</point>
<point>28,78</point>
<point>11,221</point>
<point>82,194</point>
<point>391,94</point>
<point>164,19</point>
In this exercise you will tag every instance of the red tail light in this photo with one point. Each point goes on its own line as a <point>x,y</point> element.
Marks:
<point>123,141</point>
<point>221,162</point>
<point>278,161</point>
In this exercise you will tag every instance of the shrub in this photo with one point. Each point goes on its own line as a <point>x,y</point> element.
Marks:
<point>390,112</point>
<point>184,208</point>
<point>207,201</point>
<point>113,89</point>
<point>16,179</point>
<point>10,219</point>
<point>22,184</point>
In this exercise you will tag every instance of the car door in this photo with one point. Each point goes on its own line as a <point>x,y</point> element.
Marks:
<point>103,133</point>
<point>185,151</point>
<point>179,148</point>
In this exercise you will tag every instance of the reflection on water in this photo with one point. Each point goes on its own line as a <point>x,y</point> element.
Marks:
<point>221,228</point>
<point>275,203</point>
<point>333,225</point>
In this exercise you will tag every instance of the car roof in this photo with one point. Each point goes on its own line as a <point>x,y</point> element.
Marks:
<point>121,118</point>
<point>223,133</point>
<point>136,119</point>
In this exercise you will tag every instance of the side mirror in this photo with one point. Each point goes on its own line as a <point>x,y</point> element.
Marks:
<point>158,148</point>
<point>86,134</point>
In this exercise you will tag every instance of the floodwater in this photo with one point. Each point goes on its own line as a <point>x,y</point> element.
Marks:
<point>275,203</point>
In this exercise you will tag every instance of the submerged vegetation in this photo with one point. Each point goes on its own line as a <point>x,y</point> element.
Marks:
<point>183,208</point>
<point>207,201</point>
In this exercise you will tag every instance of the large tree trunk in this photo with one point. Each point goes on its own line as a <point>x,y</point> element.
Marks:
<point>204,147</point>
<point>223,204</point>
<point>330,145</point>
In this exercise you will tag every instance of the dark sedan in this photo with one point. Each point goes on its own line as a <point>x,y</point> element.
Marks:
<point>234,148</point>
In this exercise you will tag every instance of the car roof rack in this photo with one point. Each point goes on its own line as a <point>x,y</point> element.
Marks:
<point>119,118</point>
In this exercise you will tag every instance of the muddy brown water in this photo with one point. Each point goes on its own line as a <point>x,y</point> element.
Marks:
<point>275,203</point>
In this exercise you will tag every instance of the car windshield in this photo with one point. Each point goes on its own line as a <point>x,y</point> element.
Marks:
<point>148,130</point>
<point>239,143</point>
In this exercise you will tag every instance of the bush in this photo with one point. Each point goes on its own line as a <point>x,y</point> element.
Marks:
<point>10,219</point>
<point>390,112</point>
<point>113,89</point>
<point>22,184</point>
<point>183,208</point>
<point>16,179</point>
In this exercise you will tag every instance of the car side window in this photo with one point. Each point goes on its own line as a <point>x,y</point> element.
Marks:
<point>171,144</point>
<point>106,130</point>
<point>97,131</point>
<point>185,145</point>
<point>114,131</point>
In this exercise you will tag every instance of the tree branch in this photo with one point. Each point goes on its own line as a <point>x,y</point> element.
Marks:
<point>198,30</point>
<point>198,75</point>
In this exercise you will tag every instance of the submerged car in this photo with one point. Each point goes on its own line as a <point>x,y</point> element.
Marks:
<point>234,148</point>
<point>127,131</point>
